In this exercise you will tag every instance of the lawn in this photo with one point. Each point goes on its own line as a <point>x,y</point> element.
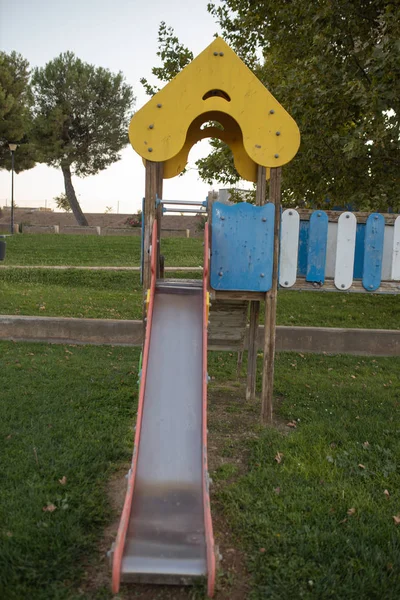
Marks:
<point>75,250</point>
<point>118,295</point>
<point>309,509</point>
<point>316,508</point>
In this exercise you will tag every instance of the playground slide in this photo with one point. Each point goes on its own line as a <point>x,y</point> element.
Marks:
<point>165,533</point>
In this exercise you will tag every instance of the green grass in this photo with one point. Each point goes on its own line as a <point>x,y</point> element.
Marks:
<point>65,412</point>
<point>71,293</point>
<point>68,411</point>
<point>118,295</point>
<point>293,517</point>
<point>325,309</point>
<point>92,250</point>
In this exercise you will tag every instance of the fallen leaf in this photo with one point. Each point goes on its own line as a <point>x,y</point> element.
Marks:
<point>9,437</point>
<point>307,386</point>
<point>63,480</point>
<point>351,512</point>
<point>49,508</point>
<point>277,490</point>
<point>353,376</point>
<point>330,369</point>
<point>68,351</point>
<point>302,355</point>
<point>344,521</point>
<point>396,519</point>
<point>278,457</point>
<point>9,534</point>
<point>361,466</point>
<point>365,445</point>
<point>262,550</point>
<point>292,424</point>
<point>386,492</point>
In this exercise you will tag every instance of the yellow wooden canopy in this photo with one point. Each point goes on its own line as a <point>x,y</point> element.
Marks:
<point>215,87</point>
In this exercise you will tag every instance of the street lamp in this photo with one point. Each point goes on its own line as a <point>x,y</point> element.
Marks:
<point>13,148</point>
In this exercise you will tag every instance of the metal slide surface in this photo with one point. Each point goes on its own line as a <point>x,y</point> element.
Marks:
<point>165,537</point>
<point>165,533</point>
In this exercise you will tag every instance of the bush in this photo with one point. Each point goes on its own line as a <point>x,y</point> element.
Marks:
<point>134,220</point>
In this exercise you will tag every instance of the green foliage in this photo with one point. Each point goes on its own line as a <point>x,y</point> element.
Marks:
<point>81,114</point>
<point>174,58</point>
<point>62,202</point>
<point>15,114</point>
<point>134,220</point>
<point>218,165</point>
<point>335,67</point>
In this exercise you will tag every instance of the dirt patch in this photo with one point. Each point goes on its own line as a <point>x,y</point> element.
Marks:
<point>232,421</point>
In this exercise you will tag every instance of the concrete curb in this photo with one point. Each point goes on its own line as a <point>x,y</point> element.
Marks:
<point>329,340</point>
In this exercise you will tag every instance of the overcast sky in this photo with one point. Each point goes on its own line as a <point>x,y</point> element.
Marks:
<point>121,36</point>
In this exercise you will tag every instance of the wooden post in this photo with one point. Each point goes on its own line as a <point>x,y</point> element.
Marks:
<point>270,306</point>
<point>159,213</point>
<point>255,305</point>
<point>153,188</point>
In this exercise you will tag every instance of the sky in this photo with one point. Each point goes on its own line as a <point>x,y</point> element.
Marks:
<point>120,36</point>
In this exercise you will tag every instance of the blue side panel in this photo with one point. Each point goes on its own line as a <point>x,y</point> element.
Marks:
<point>373,251</point>
<point>359,251</point>
<point>242,247</point>
<point>316,255</point>
<point>303,248</point>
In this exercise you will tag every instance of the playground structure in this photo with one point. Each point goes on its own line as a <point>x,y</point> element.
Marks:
<point>165,534</point>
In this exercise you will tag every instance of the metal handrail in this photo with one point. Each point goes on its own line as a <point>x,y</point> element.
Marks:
<point>184,210</point>
<point>184,202</point>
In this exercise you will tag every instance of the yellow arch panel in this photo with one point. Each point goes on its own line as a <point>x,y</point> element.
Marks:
<point>158,131</point>
<point>231,135</point>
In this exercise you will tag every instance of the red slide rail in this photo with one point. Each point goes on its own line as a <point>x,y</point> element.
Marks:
<point>126,511</point>
<point>206,494</point>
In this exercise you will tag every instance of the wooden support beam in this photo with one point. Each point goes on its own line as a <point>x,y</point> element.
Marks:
<point>270,306</point>
<point>252,351</point>
<point>159,213</point>
<point>255,305</point>
<point>153,188</point>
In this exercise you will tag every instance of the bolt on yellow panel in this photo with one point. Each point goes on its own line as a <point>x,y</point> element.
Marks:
<point>217,80</point>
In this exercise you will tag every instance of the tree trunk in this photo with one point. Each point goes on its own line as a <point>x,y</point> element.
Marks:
<point>72,199</point>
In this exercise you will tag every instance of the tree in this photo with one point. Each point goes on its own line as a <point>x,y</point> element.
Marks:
<point>81,119</point>
<point>62,202</point>
<point>15,115</point>
<point>335,66</point>
<point>174,56</point>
